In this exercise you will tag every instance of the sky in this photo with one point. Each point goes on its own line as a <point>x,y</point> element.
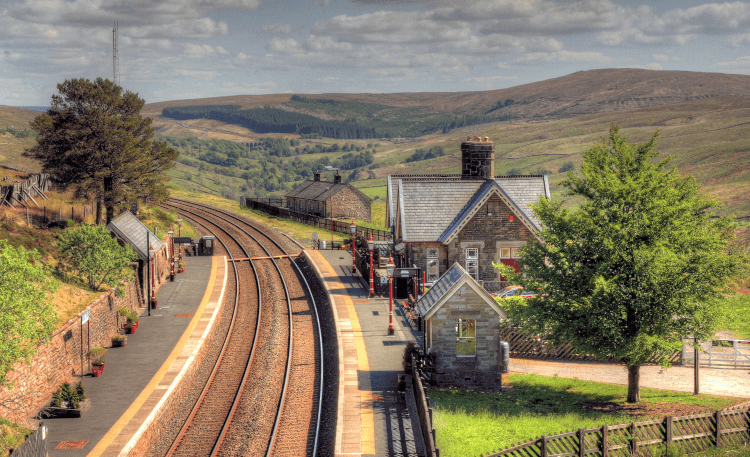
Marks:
<point>182,49</point>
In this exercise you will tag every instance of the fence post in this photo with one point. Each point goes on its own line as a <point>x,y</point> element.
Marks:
<point>717,439</point>
<point>604,441</point>
<point>633,440</point>
<point>45,214</point>
<point>544,445</point>
<point>668,429</point>
<point>581,443</point>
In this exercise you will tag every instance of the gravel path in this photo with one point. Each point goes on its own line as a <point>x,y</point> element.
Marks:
<point>714,381</point>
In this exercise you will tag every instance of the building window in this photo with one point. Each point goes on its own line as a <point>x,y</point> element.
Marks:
<point>505,253</point>
<point>466,337</point>
<point>472,262</point>
<point>515,253</point>
<point>433,257</point>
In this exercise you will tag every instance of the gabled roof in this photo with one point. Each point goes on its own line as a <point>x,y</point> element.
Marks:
<point>436,207</point>
<point>129,229</point>
<point>447,285</point>
<point>319,190</point>
<point>525,190</point>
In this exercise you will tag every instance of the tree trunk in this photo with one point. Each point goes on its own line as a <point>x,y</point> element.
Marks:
<point>99,212</point>
<point>109,198</point>
<point>634,380</point>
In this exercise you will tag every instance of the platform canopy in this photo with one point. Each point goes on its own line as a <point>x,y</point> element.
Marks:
<point>130,230</point>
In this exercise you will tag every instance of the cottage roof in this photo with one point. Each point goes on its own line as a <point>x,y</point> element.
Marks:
<point>392,189</point>
<point>129,229</point>
<point>319,190</point>
<point>435,208</point>
<point>447,285</point>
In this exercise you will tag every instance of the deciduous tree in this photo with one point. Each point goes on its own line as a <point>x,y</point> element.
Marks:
<point>639,265</point>
<point>94,139</point>
<point>26,314</point>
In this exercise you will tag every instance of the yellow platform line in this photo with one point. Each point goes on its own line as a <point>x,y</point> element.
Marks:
<point>112,433</point>
<point>367,416</point>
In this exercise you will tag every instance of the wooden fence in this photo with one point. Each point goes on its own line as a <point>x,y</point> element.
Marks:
<point>718,353</point>
<point>423,409</point>
<point>275,207</point>
<point>694,433</point>
<point>20,192</point>
<point>42,216</point>
<point>527,346</point>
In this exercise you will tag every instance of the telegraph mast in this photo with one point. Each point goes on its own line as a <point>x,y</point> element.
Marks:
<point>115,57</point>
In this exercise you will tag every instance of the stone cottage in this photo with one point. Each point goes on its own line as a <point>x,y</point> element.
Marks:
<point>324,198</point>
<point>474,218</point>
<point>462,329</point>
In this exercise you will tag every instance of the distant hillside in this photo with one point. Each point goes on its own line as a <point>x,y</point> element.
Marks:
<point>586,92</point>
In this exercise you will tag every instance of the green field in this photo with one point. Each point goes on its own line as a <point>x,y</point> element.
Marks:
<point>469,423</point>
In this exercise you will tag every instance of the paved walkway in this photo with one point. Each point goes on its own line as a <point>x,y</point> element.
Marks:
<point>138,376</point>
<point>373,419</point>
<point>715,381</point>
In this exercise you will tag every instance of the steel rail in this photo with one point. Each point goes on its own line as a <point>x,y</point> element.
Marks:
<point>280,407</point>
<point>314,306</point>
<point>220,357</point>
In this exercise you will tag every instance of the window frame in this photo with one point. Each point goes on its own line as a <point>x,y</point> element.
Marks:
<point>432,264</point>
<point>469,341</point>
<point>471,263</point>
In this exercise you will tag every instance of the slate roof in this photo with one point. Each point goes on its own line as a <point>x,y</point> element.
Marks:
<point>430,208</point>
<point>128,228</point>
<point>440,288</point>
<point>315,190</point>
<point>446,286</point>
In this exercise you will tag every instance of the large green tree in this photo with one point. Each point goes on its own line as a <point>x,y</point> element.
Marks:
<point>639,265</point>
<point>94,139</point>
<point>95,257</point>
<point>26,314</point>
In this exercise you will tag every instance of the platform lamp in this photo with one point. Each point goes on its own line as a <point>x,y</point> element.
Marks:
<point>179,233</point>
<point>389,268</point>
<point>170,237</point>
<point>371,247</point>
<point>152,259</point>
<point>353,229</point>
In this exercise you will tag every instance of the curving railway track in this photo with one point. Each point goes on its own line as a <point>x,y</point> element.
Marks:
<point>264,393</point>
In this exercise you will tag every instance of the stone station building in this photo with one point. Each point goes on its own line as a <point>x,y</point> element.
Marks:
<point>462,329</point>
<point>474,218</point>
<point>329,199</point>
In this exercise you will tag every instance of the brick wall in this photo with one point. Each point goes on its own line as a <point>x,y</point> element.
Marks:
<point>62,358</point>
<point>481,371</point>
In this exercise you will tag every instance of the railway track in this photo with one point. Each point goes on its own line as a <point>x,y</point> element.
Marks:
<point>264,395</point>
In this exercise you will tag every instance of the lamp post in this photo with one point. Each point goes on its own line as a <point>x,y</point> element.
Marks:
<point>371,247</point>
<point>389,268</point>
<point>179,233</point>
<point>353,229</point>
<point>151,256</point>
<point>171,254</point>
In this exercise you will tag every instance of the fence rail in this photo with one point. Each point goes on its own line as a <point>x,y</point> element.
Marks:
<point>35,444</point>
<point>423,409</point>
<point>693,433</point>
<point>275,207</point>
<point>527,346</point>
<point>43,216</point>
<point>20,192</point>
<point>718,353</point>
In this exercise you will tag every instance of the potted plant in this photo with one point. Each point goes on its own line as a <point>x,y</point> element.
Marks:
<point>181,266</point>
<point>69,401</point>
<point>119,341</point>
<point>132,323</point>
<point>96,355</point>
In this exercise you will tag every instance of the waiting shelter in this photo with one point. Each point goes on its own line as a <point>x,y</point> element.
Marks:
<point>462,330</point>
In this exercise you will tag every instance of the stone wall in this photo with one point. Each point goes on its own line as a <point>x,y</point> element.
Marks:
<point>481,371</point>
<point>489,229</point>
<point>351,203</point>
<point>63,358</point>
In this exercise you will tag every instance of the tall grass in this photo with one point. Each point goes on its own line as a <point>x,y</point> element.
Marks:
<point>737,309</point>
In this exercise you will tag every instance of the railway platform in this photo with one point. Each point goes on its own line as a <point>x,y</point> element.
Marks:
<point>373,418</point>
<point>140,375</point>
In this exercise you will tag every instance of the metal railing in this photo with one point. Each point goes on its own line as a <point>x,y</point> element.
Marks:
<point>718,353</point>
<point>424,410</point>
<point>35,444</point>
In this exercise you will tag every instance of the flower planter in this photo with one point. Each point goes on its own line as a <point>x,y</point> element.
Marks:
<point>62,412</point>
<point>98,366</point>
<point>131,329</point>
<point>97,373</point>
<point>180,270</point>
<point>119,344</point>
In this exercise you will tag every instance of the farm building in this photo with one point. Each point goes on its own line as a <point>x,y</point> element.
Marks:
<point>462,330</point>
<point>324,198</point>
<point>473,218</point>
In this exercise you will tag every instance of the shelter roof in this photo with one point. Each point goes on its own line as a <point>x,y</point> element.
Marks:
<point>130,230</point>
<point>318,190</point>
<point>446,286</point>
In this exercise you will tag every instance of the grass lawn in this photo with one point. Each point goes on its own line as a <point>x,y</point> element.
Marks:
<point>471,423</point>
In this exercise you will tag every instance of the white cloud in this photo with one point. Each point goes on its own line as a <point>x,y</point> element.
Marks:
<point>287,46</point>
<point>648,66</point>
<point>661,58</point>
<point>566,56</point>
<point>278,29</point>
<point>738,62</point>
<point>199,50</point>
<point>198,74</point>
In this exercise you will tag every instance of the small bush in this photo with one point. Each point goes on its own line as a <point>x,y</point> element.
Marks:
<point>132,318</point>
<point>119,338</point>
<point>96,354</point>
<point>567,166</point>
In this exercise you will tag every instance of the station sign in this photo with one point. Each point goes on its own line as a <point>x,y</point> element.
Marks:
<point>182,240</point>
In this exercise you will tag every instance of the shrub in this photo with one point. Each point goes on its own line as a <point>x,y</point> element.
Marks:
<point>132,318</point>
<point>567,166</point>
<point>119,338</point>
<point>96,354</point>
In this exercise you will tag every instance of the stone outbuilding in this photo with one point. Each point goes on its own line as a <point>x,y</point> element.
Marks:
<point>326,199</point>
<point>474,218</point>
<point>462,330</point>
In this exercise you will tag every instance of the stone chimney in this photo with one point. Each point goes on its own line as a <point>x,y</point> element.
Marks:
<point>337,178</point>
<point>478,158</point>
<point>316,175</point>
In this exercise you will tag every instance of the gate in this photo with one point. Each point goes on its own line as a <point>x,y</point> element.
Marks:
<point>718,353</point>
